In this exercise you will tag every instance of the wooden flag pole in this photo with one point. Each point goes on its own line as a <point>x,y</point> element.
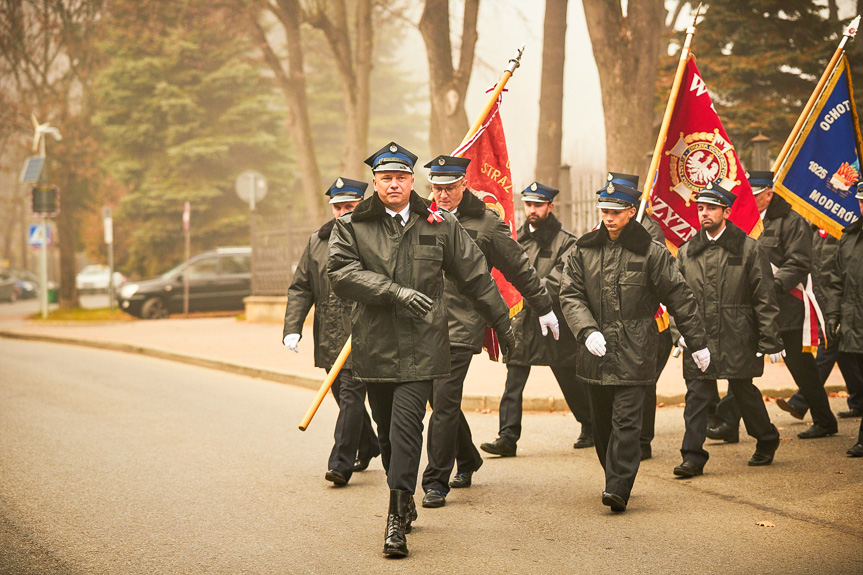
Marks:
<point>849,33</point>
<point>666,119</point>
<point>514,63</point>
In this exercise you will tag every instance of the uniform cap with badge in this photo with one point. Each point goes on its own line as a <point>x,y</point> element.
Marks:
<point>714,193</point>
<point>859,188</point>
<point>445,170</point>
<point>392,158</point>
<point>346,190</point>
<point>620,192</point>
<point>760,180</point>
<point>539,193</point>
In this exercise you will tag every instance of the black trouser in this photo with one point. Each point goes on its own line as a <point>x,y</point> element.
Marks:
<point>354,436</point>
<point>449,434</point>
<point>574,392</point>
<point>616,411</point>
<point>858,359</point>
<point>805,373</point>
<point>852,374</point>
<point>648,420</point>
<point>699,393</point>
<point>398,410</point>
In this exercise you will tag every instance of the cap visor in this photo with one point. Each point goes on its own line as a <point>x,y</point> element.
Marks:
<point>756,191</point>
<point>341,198</point>
<point>710,201</point>
<point>443,179</point>
<point>536,199</point>
<point>606,205</point>
<point>392,167</point>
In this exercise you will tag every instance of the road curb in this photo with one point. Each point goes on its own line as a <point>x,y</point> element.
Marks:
<point>469,402</point>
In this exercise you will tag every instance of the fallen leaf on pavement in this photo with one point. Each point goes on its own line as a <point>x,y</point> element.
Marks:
<point>765,524</point>
<point>785,438</point>
<point>840,472</point>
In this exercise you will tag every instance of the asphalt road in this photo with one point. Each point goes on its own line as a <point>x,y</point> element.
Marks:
<point>113,463</point>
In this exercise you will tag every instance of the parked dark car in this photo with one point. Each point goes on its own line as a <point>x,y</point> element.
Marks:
<point>28,283</point>
<point>218,281</point>
<point>9,290</point>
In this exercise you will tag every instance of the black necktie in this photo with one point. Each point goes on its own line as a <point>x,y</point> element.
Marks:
<point>398,219</point>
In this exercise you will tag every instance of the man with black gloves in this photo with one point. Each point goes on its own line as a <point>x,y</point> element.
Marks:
<point>389,256</point>
<point>546,244</point>
<point>612,284</point>
<point>355,442</point>
<point>449,436</point>
<point>729,273</point>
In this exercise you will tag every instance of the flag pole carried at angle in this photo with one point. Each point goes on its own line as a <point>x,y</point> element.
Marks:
<point>666,119</point>
<point>849,34</point>
<point>513,63</point>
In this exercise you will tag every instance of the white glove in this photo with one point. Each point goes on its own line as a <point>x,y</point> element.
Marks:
<point>291,341</point>
<point>595,344</point>
<point>759,354</point>
<point>775,357</point>
<point>681,343</point>
<point>702,358</point>
<point>547,321</point>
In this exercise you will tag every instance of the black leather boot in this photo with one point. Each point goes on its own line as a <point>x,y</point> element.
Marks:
<point>412,515</point>
<point>395,543</point>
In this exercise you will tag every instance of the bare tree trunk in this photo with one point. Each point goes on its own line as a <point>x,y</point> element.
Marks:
<point>292,81</point>
<point>627,51</point>
<point>550,130</point>
<point>448,85</point>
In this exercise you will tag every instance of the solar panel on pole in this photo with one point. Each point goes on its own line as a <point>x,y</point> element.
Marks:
<point>32,170</point>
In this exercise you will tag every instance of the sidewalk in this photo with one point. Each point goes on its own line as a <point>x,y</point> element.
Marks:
<point>255,349</point>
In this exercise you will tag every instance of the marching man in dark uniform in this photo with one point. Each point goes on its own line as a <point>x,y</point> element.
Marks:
<point>449,435</point>
<point>389,255</point>
<point>845,300</point>
<point>546,244</point>
<point>729,273</point>
<point>355,441</point>
<point>612,284</point>
<point>787,240</point>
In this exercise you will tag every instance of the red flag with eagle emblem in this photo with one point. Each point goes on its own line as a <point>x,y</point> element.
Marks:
<point>697,151</point>
<point>489,177</point>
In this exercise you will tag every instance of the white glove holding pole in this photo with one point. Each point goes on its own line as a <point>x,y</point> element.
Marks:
<point>291,340</point>
<point>595,344</point>
<point>549,321</point>
<point>702,359</point>
<point>775,357</point>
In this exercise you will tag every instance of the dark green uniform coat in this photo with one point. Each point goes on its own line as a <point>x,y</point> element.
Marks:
<point>493,237</point>
<point>823,262</point>
<point>615,287</point>
<point>787,240</point>
<point>311,286</point>
<point>371,255</point>
<point>845,291</point>
<point>733,285</point>
<point>546,249</point>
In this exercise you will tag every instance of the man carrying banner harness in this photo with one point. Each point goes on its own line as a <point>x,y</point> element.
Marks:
<point>824,248</point>
<point>389,255</point>
<point>612,284</point>
<point>845,300</point>
<point>730,276</point>
<point>355,442</point>
<point>546,244</point>
<point>788,243</point>
<point>449,436</point>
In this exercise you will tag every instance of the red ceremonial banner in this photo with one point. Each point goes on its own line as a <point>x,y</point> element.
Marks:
<point>697,151</point>
<point>488,175</point>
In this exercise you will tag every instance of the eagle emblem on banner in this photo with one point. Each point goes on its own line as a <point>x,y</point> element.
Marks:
<point>699,158</point>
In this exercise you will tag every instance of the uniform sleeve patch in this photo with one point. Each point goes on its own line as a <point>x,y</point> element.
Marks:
<point>735,261</point>
<point>428,240</point>
<point>634,266</point>
<point>768,233</point>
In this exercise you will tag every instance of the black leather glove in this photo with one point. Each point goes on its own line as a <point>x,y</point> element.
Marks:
<point>506,340</point>
<point>832,328</point>
<point>416,302</point>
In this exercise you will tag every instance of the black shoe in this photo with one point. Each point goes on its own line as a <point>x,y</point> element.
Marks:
<point>434,498</point>
<point>614,501</point>
<point>412,515</point>
<point>500,446</point>
<point>785,406</point>
<point>850,413</point>
<point>461,480</point>
<point>855,451</point>
<point>361,464</point>
<point>688,469</point>
<point>646,452</point>
<point>585,439</point>
<point>395,543</point>
<point>724,432</point>
<point>816,431</point>
<point>337,477</point>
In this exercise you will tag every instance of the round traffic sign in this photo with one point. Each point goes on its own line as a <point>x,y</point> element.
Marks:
<point>248,182</point>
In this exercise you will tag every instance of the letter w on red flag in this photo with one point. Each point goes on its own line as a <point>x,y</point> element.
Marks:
<point>697,151</point>
<point>489,177</point>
